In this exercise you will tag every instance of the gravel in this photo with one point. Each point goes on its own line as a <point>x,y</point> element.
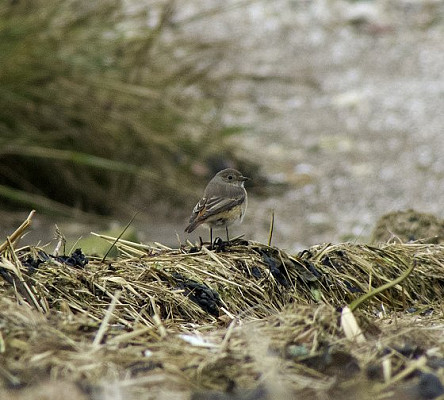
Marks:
<point>344,103</point>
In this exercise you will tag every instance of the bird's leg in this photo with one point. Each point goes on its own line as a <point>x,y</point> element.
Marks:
<point>226,229</point>
<point>211,238</point>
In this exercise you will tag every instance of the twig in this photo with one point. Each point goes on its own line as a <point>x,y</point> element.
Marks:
<point>104,325</point>
<point>19,282</point>
<point>18,232</point>
<point>157,319</point>
<point>270,232</point>
<point>126,337</point>
<point>227,336</point>
<point>118,237</point>
<point>420,363</point>
<point>61,241</point>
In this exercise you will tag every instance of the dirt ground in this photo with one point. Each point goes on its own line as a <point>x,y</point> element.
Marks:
<point>347,109</point>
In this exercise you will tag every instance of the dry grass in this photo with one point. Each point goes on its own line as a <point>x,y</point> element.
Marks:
<point>249,319</point>
<point>105,100</point>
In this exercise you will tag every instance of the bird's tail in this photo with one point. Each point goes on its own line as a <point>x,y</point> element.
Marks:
<point>192,226</point>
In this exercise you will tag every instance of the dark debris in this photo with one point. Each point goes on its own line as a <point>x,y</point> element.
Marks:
<point>202,295</point>
<point>429,387</point>
<point>271,258</point>
<point>76,260</point>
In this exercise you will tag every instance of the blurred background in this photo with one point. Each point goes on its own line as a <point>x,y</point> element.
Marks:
<point>334,108</point>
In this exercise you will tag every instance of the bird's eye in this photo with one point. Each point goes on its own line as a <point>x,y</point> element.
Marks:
<point>230,177</point>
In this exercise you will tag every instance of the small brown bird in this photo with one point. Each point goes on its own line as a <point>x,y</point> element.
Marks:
<point>224,202</point>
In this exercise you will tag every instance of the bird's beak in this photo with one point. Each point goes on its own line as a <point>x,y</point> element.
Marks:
<point>244,178</point>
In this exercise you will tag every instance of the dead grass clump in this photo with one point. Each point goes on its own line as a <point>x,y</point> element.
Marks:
<point>242,317</point>
<point>350,270</point>
<point>250,280</point>
<point>107,100</point>
<point>409,225</point>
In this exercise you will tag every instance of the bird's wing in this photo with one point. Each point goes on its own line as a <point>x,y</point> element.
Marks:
<point>207,207</point>
<point>216,205</point>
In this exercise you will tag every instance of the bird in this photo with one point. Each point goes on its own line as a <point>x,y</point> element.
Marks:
<point>223,203</point>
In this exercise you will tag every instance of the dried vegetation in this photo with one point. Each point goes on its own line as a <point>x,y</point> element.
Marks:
<point>108,101</point>
<point>239,321</point>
